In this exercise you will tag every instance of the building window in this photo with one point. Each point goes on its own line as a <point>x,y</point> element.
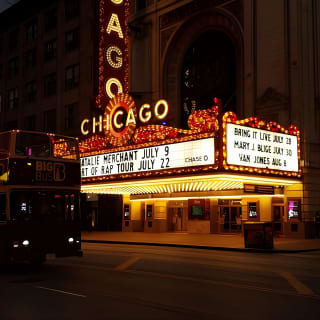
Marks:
<point>72,39</point>
<point>50,19</point>
<point>72,9</point>
<point>141,4</point>
<point>72,76</point>
<point>50,50</point>
<point>70,112</point>
<point>31,91</point>
<point>13,67</point>
<point>13,39</point>
<point>31,58</point>
<point>208,71</point>
<point>13,98</point>
<point>50,84</point>
<point>31,31</point>
<point>49,121</point>
<point>30,122</point>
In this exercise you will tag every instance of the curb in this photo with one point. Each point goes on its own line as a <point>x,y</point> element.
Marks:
<point>191,246</point>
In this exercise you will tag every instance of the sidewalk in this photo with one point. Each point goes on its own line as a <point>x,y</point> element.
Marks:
<point>226,242</point>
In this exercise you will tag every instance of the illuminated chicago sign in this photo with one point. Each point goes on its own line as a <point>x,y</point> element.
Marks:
<point>120,118</point>
<point>169,156</point>
<point>211,143</point>
<point>113,50</point>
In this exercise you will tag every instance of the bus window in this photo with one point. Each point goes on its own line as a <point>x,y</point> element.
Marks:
<point>20,206</point>
<point>4,143</point>
<point>32,144</point>
<point>3,207</point>
<point>41,204</point>
<point>65,148</point>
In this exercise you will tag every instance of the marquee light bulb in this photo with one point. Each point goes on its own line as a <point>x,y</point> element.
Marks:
<point>118,59</point>
<point>109,83</point>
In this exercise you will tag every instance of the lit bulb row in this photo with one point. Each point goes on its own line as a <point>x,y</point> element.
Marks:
<point>118,63</point>
<point>170,188</point>
<point>231,117</point>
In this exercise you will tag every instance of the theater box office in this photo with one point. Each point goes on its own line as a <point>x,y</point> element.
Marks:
<point>210,178</point>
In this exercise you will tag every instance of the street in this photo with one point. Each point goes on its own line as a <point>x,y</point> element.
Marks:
<point>143,282</point>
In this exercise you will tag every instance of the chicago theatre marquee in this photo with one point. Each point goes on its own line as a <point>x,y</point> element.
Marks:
<point>209,178</point>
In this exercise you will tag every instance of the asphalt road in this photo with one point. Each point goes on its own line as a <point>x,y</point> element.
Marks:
<point>141,282</point>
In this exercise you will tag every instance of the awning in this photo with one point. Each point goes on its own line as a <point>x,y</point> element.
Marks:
<point>200,183</point>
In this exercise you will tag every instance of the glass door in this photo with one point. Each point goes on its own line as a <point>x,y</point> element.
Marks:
<point>232,218</point>
<point>226,216</point>
<point>277,219</point>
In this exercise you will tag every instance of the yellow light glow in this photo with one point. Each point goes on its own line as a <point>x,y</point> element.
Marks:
<point>145,116</point>
<point>115,119</point>
<point>210,182</point>
<point>237,197</point>
<point>97,123</point>
<point>165,111</point>
<point>130,118</point>
<point>117,1</point>
<point>117,83</point>
<point>83,123</point>
<point>118,59</point>
<point>114,25</point>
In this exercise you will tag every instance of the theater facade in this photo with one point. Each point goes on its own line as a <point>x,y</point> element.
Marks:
<point>170,157</point>
<point>209,178</point>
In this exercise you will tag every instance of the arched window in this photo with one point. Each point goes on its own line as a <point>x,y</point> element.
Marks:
<point>208,71</point>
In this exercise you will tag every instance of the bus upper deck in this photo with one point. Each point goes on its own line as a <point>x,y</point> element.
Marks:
<point>34,158</point>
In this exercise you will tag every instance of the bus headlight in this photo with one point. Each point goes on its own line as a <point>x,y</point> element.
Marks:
<point>15,244</point>
<point>25,243</point>
<point>70,240</point>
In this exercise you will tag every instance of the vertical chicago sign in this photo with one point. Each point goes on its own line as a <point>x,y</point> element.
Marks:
<point>113,50</point>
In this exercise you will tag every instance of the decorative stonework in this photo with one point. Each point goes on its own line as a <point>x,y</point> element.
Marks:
<point>186,11</point>
<point>186,33</point>
<point>271,97</point>
<point>236,8</point>
<point>165,35</point>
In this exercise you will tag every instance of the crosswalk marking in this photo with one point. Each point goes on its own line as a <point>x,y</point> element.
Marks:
<point>294,282</point>
<point>125,265</point>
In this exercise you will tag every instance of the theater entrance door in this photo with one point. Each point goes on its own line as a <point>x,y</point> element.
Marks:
<point>231,218</point>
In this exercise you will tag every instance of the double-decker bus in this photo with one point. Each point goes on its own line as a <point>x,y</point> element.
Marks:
<point>39,196</point>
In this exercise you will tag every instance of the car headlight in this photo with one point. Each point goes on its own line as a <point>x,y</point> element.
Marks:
<point>70,240</point>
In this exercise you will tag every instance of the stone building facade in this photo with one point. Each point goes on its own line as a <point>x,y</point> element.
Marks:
<point>264,62</point>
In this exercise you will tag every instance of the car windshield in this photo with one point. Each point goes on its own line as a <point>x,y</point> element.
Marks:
<point>42,204</point>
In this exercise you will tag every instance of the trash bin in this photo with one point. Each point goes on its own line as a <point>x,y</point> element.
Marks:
<point>258,235</point>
